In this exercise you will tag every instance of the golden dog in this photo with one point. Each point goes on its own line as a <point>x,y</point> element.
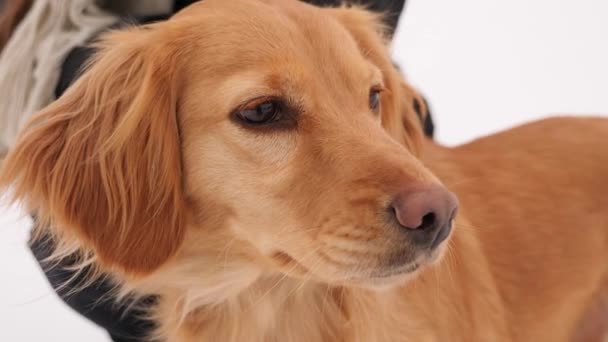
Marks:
<point>259,165</point>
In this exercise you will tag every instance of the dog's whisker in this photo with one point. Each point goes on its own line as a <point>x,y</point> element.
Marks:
<point>467,226</point>
<point>462,181</point>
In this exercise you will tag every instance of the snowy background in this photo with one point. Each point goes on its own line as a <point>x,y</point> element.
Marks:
<point>484,65</point>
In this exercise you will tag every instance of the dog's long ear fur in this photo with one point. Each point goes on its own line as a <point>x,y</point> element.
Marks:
<point>103,161</point>
<point>398,115</point>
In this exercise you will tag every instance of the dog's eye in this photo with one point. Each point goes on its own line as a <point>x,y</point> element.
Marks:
<point>258,113</point>
<point>374,99</point>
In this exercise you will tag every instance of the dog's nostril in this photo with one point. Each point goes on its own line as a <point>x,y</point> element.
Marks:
<point>428,221</point>
<point>424,209</point>
<point>426,214</point>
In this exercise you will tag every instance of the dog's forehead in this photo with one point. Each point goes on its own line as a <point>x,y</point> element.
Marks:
<point>253,32</point>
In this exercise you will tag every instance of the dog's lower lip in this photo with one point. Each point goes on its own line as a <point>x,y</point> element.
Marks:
<point>397,271</point>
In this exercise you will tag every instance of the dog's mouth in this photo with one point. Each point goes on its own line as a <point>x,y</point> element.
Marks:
<point>374,278</point>
<point>384,268</point>
<point>397,271</point>
<point>289,264</point>
<point>386,278</point>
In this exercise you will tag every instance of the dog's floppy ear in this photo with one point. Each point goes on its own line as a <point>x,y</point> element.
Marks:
<point>398,114</point>
<point>419,107</point>
<point>103,163</point>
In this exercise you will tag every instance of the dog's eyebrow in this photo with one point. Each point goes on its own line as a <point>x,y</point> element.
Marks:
<point>375,76</point>
<point>243,86</point>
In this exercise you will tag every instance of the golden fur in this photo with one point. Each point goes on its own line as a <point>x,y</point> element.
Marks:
<point>274,235</point>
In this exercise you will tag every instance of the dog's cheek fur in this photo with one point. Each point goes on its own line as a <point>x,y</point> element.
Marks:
<point>102,163</point>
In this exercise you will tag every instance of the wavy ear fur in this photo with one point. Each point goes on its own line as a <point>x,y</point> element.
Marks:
<point>398,114</point>
<point>102,163</point>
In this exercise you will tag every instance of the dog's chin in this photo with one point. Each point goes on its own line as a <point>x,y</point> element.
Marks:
<point>395,276</point>
<point>389,278</point>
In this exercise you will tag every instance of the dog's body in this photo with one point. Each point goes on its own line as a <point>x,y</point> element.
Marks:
<point>533,198</point>
<point>325,219</point>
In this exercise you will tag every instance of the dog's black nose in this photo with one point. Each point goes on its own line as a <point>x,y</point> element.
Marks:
<point>425,214</point>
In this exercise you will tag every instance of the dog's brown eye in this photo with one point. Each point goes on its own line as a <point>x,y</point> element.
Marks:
<point>260,113</point>
<point>374,99</point>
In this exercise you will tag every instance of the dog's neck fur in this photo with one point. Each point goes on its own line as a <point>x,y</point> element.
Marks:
<point>268,310</point>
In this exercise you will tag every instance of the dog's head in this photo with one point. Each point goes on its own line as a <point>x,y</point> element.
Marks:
<point>239,137</point>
